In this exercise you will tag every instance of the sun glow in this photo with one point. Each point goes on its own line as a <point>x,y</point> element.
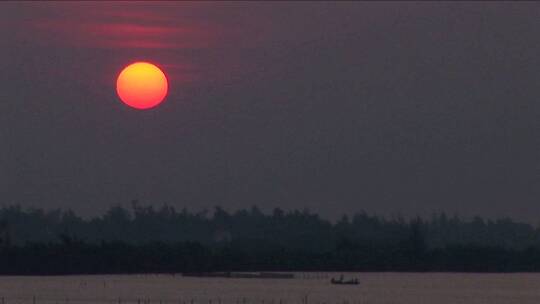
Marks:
<point>142,85</point>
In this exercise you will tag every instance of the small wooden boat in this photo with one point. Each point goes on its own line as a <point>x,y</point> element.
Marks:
<point>261,275</point>
<point>341,281</point>
<point>240,275</point>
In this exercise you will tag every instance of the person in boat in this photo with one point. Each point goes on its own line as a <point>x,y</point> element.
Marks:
<point>342,281</point>
<point>337,281</point>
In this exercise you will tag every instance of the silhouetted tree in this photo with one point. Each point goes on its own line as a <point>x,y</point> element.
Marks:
<point>162,239</point>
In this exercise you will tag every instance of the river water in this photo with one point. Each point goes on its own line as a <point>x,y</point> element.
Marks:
<point>312,288</point>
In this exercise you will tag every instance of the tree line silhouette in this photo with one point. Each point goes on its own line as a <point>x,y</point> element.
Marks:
<point>146,239</point>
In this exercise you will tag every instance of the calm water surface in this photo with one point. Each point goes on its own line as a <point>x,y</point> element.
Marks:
<point>406,288</point>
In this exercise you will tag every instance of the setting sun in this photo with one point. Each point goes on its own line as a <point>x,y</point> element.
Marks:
<point>142,85</point>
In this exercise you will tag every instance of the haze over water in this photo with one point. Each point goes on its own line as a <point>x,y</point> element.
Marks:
<point>375,288</point>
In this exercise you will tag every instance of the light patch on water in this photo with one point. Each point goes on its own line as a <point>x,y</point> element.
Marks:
<point>374,288</point>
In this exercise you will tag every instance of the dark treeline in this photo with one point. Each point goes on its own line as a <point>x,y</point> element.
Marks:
<point>148,239</point>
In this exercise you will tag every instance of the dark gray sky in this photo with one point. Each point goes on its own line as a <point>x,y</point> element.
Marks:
<point>392,108</point>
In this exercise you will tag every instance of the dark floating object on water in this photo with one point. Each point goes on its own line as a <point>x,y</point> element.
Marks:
<point>240,275</point>
<point>341,281</point>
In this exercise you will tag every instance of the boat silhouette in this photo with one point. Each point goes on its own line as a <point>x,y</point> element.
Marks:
<point>342,281</point>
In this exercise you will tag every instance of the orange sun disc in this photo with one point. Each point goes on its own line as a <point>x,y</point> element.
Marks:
<point>142,85</point>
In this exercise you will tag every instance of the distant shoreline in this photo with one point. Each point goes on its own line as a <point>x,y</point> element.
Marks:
<point>357,273</point>
<point>145,240</point>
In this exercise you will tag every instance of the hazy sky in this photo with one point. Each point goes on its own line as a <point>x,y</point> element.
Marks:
<point>392,108</point>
